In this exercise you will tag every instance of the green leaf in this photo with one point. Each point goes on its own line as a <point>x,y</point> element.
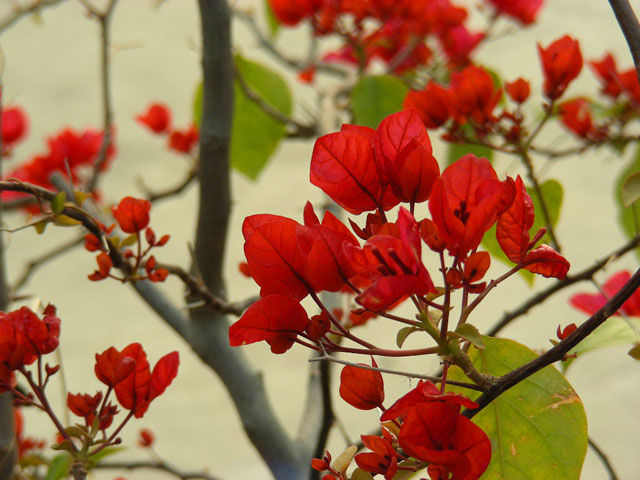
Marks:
<point>272,21</point>
<point>59,467</point>
<point>470,333</point>
<point>104,453</point>
<point>57,204</point>
<point>129,240</point>
<point>631,190</point>
<point>403,333</point>
<point>198,99</point>
<point>457,150</point>
<point>41,226</point>
<point>628,217</point>
<point>255,134</point>
<point>359,474</point>
<point>538,428</point>
<point>375,97</point>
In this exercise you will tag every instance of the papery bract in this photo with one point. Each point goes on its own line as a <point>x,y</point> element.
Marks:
<point>474,95</point>
<point>561,64</point>
<point>362,388</point>
<point>14,125</point>
<point>432,104</point>
<point>382,459</point>
<point>183,141</point>
<point>518,90</point>
<point>113,366</point>
<point>436,433</point>
<point>512,233</point>
<point>590,303</point>
<point>464,203</point>
<point>278,319</point>
<point>524,11</point>
<point>274,259</point>
<point>342,165</point>
<point>142,386</point>
<point>132,214</point>
<point>157,118</point>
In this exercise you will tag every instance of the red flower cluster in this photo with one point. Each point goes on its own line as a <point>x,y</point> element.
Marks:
<point>23,338</point>
<point>158,119</point>
<point>590,303</point>
<point>430,429</point>
<point>363,170</point>
<point>525,11</point>
<point>400,37</point>
<point>471,97</point>
<point>576,116</point>
<point>128,374</point>
<point>132,215</point>
<point>561,64</point>
<point>78,150</point>
<point>615,83</point>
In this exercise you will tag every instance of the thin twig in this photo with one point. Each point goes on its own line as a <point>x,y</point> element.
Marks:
<point>298,129</point>
<point>329,358</point>
<point>269,46</point>
<point>104,19</point>
<point>541,296</point>
<point>603,458</point>
<point>20,12</point>
<point>199,289</point>
<point>155,465</point>
<point>153,195</point>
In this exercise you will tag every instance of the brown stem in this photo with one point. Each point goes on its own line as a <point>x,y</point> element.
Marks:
<point>18,13</point>
<point>630,29</point>
<point>540,297</point>
<point>604,459</point>
<point>559,351</point>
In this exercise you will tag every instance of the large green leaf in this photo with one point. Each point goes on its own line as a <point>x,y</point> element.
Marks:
<point>629,218</point>
<point>538,428</point>
<point>59,467</point>
<point>255,134</point>
<point>375,97</point>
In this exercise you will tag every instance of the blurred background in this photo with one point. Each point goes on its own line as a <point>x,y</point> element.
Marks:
<point>52,71</point>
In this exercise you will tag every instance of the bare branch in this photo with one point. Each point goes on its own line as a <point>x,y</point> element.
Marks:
<point>20,12</point>
<point>104,19</point>
<point>199,289</point>
<point>297,129</point>
<point>630,28</point>
<point>585,274</point>
<point>155,465</point>
<point>604,459</point>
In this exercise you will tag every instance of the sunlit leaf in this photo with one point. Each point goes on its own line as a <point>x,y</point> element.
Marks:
<point>375,97</point>
<point>538,428</point>
<point>553,194</point>
<point>255,134</point>
<point>471,334</point>
<point>59,467</point>
<point>57,204</point>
